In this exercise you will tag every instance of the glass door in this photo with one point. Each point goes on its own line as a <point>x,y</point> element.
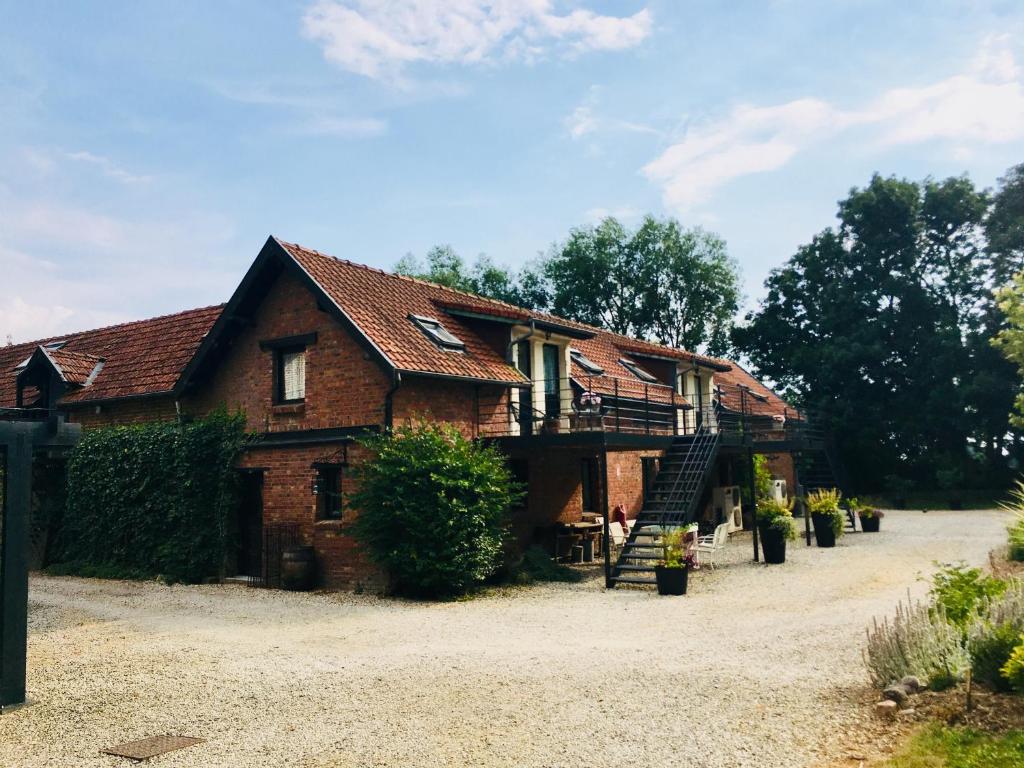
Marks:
<point>552,377</point>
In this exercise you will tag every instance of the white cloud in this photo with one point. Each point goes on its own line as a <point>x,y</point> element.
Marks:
<point>378,38</point>
<point>982,105</point>
<point>109,168</point>
<point>585,120</point>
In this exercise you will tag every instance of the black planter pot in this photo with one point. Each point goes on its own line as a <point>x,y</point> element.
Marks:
<point>870,524</point>
<point>773,545</point>
<point>671,581</point>
<point>823,533</point>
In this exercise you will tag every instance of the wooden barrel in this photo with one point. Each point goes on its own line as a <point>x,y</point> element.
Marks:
<point>298,568</point>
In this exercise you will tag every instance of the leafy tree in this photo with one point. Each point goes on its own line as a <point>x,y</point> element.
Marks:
<point>484,278</point>
<point>883,322</point>
<point>660,281</point>
<point>1004,226</point>
<point>433,508</point>
<point>1010,340</point>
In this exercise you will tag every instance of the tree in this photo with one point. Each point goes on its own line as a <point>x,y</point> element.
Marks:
<point>1004,227</point>
<point>658,282</point>
<point>883,321</point>
<point>1010,340</point>
<point>485,278</point>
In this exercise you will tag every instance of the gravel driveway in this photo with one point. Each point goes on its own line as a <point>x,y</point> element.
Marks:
<point>757,666</point>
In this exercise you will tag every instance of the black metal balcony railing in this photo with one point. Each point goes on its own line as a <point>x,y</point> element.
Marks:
<point>619,405</point>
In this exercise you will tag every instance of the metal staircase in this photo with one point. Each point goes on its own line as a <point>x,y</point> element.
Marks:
<point>671,502</point>
<point>818,472</point>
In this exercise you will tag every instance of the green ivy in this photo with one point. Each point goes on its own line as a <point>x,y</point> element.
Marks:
<point>154,499</point>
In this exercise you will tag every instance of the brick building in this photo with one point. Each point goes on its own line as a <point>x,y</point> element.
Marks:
<point>317,351</point>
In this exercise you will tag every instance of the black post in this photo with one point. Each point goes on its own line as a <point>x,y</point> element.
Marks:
<point>618,404</point>
<point>647,409</point>
<point>753,501</point>
<point>603,460</point>
<point>14,569</point>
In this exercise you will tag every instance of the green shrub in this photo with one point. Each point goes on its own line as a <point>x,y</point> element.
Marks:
<point>433,508</point>
<point>152,499</point>
<point>937,746</point>
<point>777,516</point>
<point>990,650</point>
<point>826,502</point>
<point>959,590</point>
<point>1013,670</point>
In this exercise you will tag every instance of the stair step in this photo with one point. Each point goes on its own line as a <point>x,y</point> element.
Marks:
<point>640,556</point>
<point>636,568</point>
<point>632,580</point>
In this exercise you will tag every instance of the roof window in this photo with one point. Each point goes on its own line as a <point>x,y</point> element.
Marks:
<point>437,333</point>
<point>585,362</point>
<point>637,371</point>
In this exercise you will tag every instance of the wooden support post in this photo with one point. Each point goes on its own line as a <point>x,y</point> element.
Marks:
<point>752,485</point>
<point>603,461</point>
<point>14,569</point>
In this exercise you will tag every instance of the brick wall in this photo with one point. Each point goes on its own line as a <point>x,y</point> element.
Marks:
<point>555,486</point>
<point>123,412</point>
<point>288,477</point>
<point>344,385</point>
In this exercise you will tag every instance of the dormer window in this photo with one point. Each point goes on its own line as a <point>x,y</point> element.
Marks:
<point>437,333</point>
<point>637,371</point>
<point>585,362</point>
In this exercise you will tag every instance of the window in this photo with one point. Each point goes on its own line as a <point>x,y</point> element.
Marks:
<point>438,333</point>
<point>290,375</point>
<point>329,498</point>
<point>637,371</point>
<point>588,484</point>
<point>585,362</point>
<point>552,356</point>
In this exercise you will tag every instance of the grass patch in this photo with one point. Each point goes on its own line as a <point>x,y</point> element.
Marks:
<point>940,747</point>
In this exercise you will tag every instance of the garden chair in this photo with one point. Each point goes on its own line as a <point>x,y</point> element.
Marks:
<point>616,536</point>
<point>708,546</point>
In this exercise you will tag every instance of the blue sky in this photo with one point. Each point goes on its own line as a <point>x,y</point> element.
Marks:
<point>148,148</point>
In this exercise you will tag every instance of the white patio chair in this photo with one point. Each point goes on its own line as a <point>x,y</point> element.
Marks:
<point>616,536</point>
<point>709,546</point>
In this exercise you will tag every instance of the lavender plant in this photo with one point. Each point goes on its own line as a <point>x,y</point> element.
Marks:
<point>919,641</point>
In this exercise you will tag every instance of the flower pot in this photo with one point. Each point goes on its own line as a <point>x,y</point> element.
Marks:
<point>773,545</point>
<point>671,581</point>
<point>870,524</point>
<point>823,531</point>
<point>298,569</point>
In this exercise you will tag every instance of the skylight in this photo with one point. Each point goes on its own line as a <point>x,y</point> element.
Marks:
<point>438,333</point>
<point>637,371</point>
<point>586,363</point>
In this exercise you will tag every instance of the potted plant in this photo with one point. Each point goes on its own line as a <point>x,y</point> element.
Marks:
<point>870,518</point>
<point>776,527</point>
<point>829,520</point>
<point>672,570</point>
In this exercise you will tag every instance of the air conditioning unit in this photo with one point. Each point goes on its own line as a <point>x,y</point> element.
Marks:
<point>779,491</point>
<point>726,500</point>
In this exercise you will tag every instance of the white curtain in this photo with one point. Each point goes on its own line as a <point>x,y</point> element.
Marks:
<point>293,369</point>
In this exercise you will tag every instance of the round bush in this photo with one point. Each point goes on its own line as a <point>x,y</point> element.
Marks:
<point>433,509</point>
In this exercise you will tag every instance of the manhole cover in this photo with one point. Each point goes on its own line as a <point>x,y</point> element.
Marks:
<point>143,749</point>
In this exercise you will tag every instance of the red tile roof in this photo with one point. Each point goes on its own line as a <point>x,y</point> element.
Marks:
<point>140,358</point>
<point>759,399</point>
<point>379,303</point>
<point>74,367</point>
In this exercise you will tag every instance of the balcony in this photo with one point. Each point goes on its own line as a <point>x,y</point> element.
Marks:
<point>608,405</point>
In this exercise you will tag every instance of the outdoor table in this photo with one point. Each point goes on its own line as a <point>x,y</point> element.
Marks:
<point>580,530</point>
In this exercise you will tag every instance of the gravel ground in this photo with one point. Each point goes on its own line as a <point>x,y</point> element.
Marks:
<point>757,666</point>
